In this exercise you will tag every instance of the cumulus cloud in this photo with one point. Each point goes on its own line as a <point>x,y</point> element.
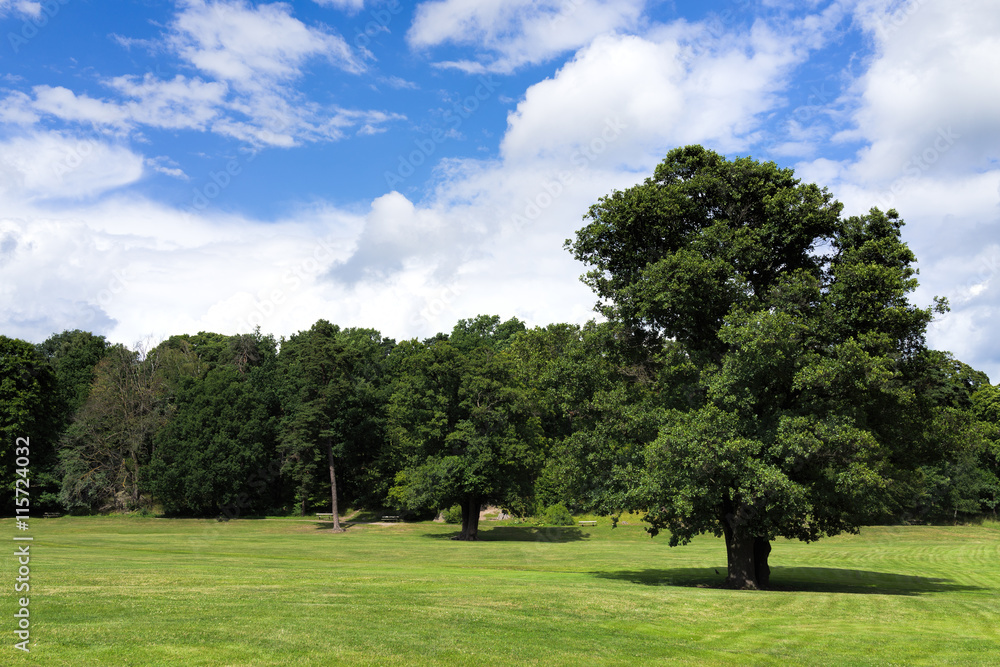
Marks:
<point>936,72</point>
<point>601,122</point>
<point>510,33</point>
<point>253,46</point>
<point>133,269</point>
<point>52,165</point>
<point>681,85</point>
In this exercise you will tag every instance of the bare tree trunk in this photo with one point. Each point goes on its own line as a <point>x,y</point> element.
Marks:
<point>333,488</point>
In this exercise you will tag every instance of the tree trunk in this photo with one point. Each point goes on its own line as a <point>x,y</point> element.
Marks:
<point>333,488</point>
<point>761,550</point>
<point>470,519</point>
<point>473,518</point>
<point>740,556</point>
<point>465,521</point>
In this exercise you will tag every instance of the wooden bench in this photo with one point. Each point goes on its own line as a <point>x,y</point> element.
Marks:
<point>390,518</point>
<point>324,515</point>
<point>588,523</point>
<point>51,515</point>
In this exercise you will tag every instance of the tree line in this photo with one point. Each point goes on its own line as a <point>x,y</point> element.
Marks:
<point>759,372</point>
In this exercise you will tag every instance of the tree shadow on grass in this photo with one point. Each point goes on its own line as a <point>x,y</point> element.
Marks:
<point>798,580</point>
<point>557,534</point>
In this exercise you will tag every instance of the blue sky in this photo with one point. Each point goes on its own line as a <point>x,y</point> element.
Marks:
<point>170,167</point>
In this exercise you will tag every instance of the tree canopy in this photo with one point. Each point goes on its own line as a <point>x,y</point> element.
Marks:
<point>798,325</point>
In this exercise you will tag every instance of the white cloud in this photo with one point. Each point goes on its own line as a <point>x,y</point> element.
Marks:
<point>937,70</point>
<point>511,33</point>
<point>24,7</point>
<point>350,6</point>
<point>252,47</point>
<point>67,105</point>
<point>176,103</point>
<point>681,85</point>
<point>132,269</point>
<point>252,58</point>
<point>53,166</point>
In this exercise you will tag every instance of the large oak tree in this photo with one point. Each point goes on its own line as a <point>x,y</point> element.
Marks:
<point>796,323</point>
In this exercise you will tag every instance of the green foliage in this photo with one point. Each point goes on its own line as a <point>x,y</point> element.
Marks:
<point>216,453</point>
<point>74,356</point>
<point>557,515</point>
<point>333,391</point>
<point>675,255</point>
<point>453,514</point>
<point>104,451</point>
<point>462,427</point>
<point>30,408</point>
<point>792,338</point>
<point>484,330</point>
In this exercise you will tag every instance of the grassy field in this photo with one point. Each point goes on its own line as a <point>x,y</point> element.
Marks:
<point>129,591</point>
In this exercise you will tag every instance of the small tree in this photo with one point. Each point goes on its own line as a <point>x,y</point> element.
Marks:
<point>111,438</point>
<point>463,426</point>
<point>332,403</point>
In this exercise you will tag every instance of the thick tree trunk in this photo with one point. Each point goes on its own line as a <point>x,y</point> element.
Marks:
<point>473,518</point>
<point>333,488</point>
<point>746,553</point>
<point>470,519</point>
<point>761,550</point>
<point>465,522</point>
<point>740,557</point>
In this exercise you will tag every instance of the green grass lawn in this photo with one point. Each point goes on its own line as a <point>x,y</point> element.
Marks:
<point>129,591</point>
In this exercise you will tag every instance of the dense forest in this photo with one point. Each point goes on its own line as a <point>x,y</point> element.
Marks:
<point>758,365</point>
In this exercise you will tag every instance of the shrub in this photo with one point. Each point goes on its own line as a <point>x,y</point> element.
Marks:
<point>557,515</point>
<point>453,514</point>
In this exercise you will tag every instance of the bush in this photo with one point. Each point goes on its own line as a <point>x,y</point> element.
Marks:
<point>557,515</point>
<point>453,514</point>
